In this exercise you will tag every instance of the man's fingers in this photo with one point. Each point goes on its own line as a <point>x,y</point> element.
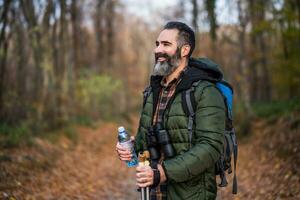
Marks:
<point>125,157</point>
<point>144,176</point>
<point>120,147</point>
<point>143,185</point>
<point>147,175</point>
<point>143,169</point>
<point>123,152</point>
<point>144,179</point>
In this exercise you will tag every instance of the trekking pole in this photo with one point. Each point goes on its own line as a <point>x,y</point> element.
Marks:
<point>143,161</point>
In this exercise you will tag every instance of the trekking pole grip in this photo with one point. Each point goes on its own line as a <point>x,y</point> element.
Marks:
<point>143,161</point>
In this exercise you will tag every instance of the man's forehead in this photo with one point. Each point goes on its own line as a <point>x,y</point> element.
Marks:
<point>168,35</point>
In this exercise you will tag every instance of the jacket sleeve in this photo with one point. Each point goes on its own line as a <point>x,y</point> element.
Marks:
<point>140,140</point>
<point>207,138</point>
<point>145,121</point>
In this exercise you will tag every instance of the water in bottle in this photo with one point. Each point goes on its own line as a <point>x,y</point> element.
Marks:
<point>125,141</point>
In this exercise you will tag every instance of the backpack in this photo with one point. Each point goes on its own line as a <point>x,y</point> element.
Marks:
<point>230,147</point>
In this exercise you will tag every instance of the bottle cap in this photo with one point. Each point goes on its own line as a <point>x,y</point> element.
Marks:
<point>121,129</point>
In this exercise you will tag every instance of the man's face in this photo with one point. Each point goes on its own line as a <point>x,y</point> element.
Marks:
<point>167,53</point>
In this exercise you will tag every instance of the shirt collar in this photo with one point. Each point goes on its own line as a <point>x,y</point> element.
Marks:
<point>174,80</point>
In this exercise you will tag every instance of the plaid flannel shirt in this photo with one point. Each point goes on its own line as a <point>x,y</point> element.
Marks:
<point>168,90</point>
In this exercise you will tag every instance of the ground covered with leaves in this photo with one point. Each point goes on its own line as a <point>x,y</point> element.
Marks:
<point>269,160</point>
<point>268,166</point>
<point>88,170</point>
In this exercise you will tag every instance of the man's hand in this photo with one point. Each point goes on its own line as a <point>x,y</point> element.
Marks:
<point>145,175</point>
<point>123,153</point>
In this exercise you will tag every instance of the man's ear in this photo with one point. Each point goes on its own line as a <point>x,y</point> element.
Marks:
<point>185,50</point>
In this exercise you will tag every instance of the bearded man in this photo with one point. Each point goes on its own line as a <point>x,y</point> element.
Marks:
<point>182,165</point>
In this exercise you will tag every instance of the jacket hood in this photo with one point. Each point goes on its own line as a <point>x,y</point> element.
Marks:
<point>200,69</point>
<point>204,68</point>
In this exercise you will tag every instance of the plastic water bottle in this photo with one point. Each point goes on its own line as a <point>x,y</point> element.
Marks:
<point>125,141</point>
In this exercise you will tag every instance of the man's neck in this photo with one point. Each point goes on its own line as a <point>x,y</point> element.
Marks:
<point>178,70</point>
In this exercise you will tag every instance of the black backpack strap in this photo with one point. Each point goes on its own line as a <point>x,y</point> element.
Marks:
<point>189,107</point>
<point>222,174</point>
<point>146,94</point>
<point>235,154</point>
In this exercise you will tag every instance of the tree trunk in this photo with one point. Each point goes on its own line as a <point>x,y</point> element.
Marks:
<point>210,6</point>
<point>242,62</point>
<point>75,15</point>
<point>61,86</point>
<point>195,15</point>
<point>38,55</point>
<point>22,67</point>
<point>110,21</point>
<point>261,88</point>
<point>3,55</point>
<point>100,32</point>
<point>55,60</point>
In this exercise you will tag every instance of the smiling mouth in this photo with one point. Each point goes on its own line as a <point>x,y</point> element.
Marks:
<point>161,59</point>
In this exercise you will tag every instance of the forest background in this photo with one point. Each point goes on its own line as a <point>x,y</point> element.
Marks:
<point>70,63</point>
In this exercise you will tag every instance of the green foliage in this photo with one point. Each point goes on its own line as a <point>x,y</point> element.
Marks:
<point>286,71</point>
<point>242,121</point>
<point>71,133</point>
<point>12,136</point>
<point>286,79</point>
<point>267,110</point>
<point>276,108</point>
<point>84,120</point>
<point>97,96</point>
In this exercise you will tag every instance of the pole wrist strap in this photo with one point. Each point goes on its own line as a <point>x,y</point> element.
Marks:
<point>156,178</point>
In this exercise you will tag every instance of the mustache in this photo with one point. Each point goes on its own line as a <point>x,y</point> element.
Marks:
<point>164,55</point>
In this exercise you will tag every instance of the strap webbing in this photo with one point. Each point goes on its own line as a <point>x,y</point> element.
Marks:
<point>191,115</point>
<point>235,154</point>
<point>224,182</point>
<point>191,110</point>
<point>146,94</point>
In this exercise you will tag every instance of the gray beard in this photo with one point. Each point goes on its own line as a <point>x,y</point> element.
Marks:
<point>165,68</point>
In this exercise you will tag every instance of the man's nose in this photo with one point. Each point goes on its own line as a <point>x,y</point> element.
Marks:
<point>158,49</point>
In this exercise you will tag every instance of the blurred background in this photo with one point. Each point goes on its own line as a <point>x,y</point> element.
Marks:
<point>71,71</point>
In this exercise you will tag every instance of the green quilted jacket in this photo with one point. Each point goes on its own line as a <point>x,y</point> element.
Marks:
<point>190,174</point>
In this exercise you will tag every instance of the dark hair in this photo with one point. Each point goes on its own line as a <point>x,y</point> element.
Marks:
<point>186,35</point>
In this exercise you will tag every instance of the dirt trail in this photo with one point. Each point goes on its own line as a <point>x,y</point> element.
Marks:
<point>90,170</point>
<point>268,169</point>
